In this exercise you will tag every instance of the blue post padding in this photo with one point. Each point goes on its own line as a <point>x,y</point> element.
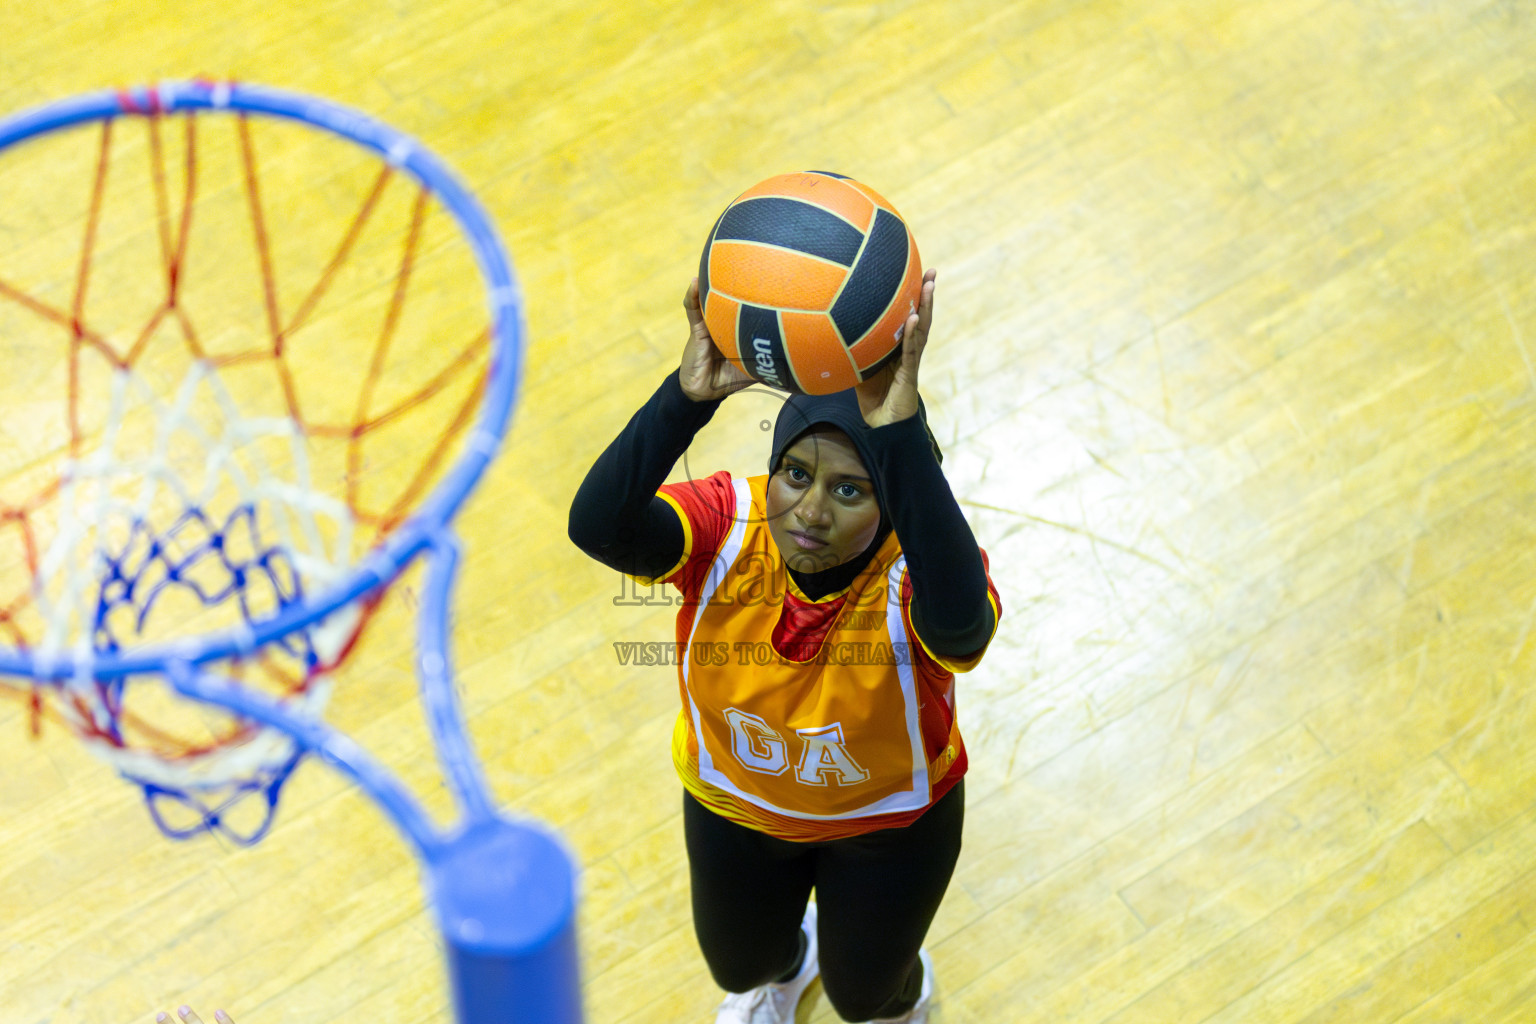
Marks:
<point>505,895</point>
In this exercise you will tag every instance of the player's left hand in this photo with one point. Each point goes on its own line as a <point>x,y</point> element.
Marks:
<point>189,1016</point>
<point>891,395</point>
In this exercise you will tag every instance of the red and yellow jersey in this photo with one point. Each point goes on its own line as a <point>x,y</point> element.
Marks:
<point>807,720</point>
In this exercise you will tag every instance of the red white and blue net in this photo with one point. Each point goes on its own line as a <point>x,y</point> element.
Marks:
<point>256,372</point>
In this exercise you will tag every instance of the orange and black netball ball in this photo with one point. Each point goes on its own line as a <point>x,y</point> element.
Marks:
<point>807,280</point>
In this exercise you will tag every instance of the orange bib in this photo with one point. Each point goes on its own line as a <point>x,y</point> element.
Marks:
<point>832,735</point>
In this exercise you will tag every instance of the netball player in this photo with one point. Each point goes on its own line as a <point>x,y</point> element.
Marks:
<point>826,607</point>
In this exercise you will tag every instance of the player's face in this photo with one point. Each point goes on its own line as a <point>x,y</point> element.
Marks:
<point>821,502</point>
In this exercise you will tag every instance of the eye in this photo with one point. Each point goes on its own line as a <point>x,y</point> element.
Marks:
<point>849,491</point>
<point>796,474</point>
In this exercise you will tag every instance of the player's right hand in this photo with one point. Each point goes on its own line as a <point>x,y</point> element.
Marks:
<point>704,373</point>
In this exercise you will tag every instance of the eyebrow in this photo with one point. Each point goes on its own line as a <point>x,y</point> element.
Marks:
<point>787,457</point>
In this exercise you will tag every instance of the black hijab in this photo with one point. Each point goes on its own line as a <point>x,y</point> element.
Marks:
<point>801,414</point>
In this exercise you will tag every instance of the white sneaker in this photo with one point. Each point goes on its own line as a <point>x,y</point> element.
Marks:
<point>919,1013</point>
<point>775,1002</point>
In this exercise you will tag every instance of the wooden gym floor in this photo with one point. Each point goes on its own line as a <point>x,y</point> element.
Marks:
<point>1232,369</point>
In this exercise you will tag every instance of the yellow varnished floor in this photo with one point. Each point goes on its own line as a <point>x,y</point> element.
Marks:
<point>1233,370</point>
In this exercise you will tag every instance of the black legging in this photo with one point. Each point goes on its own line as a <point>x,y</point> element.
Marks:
<point>876,895</point>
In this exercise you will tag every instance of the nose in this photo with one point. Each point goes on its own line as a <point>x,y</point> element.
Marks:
<point>812,508</point>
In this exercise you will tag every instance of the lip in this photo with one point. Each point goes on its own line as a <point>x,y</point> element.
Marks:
<point>806,541</point>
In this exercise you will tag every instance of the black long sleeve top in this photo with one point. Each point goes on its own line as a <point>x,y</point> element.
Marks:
<point>617,518</point>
